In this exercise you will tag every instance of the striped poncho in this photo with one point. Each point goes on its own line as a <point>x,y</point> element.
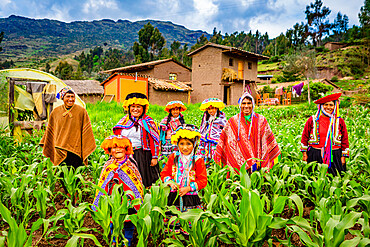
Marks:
<point>261,145</point>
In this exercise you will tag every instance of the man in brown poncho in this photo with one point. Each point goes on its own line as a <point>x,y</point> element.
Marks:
<point>68,137</point>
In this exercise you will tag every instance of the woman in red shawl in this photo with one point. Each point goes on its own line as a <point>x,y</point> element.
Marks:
<point>325,137</point>
<point>247,138</point>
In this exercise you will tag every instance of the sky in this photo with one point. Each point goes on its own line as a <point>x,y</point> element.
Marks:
<point>228,16</point>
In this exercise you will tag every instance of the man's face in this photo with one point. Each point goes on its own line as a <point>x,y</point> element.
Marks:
<point>247,106</point>
<point>69,99</point>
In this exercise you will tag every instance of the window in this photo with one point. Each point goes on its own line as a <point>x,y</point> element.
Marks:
<point>231,62</point>
<point>173,76</point>
<point>249,65</point>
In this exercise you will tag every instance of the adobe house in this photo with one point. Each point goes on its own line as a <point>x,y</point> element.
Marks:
<point>334,45</point>
<point>162,81</point>
<point>167,69</point>
<point>158,91</point>
<point>89,90</point>
<point>223,72</point>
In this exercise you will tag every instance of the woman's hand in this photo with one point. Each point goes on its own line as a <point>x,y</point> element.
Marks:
<point>343,159</point>
<point>173,186</point>
<point>184,190</point>
<point>154,162</point>
<point>304,156</point>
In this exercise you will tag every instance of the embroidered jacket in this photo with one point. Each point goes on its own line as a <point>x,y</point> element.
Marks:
<point>149,132</point>
<point>174,171</point>
<point>211,131</point>
<point>315,132</point>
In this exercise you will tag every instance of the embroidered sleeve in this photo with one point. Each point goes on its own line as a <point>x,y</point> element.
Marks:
<point>200,174</point>
<point>344,142</point>
<point>306,135</point>
<point>166,179</point>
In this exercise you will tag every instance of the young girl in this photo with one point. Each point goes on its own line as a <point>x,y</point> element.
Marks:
<point>121,168</point>
<point>213,122</point>
<point>169,124</point>
<point>185,170</point>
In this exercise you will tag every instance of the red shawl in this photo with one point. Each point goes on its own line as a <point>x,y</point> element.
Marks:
<point>262,144</point>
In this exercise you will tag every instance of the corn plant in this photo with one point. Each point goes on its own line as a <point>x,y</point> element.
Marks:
<point>247,223</point>
<point>73,219</point>
<point>158,202</point>
<point>202,232</point>
<point>41,195</point>
<point>143,221</point>
<point>17,235</point>
<point>334,221</point>
<point>72,180</point>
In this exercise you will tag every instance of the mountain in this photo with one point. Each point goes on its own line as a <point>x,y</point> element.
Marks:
<point>25,37</point>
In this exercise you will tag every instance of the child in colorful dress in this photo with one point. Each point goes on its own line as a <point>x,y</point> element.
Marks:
<point>213,122</point>
<point>185,170</point>
<point>121,168</point>
<point>169,124</point>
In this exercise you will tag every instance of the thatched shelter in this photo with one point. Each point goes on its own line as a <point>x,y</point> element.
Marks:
<point>89,90</point>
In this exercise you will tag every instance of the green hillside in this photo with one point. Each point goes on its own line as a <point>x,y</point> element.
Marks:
<point>25,37</point>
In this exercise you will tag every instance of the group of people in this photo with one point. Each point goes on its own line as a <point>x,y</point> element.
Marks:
<point>136,144</point>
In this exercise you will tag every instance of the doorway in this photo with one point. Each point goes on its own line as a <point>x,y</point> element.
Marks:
<point>226,98</point>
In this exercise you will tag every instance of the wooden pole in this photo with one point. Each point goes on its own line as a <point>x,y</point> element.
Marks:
<point>11,104</point>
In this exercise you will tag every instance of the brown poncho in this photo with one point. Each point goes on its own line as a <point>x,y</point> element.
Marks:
<point>68,130</point>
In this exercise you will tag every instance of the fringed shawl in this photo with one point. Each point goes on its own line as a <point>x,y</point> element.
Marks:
<point>150,135</point>
<point>211,131</point>
<point>261,145</point>
<point>68,131</point>
<point>125,173</point>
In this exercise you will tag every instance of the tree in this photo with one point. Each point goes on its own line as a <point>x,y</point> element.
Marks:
<point>64,70</point>
<point>340,26</point>
<point>1,39</point>
<point>316,16</point>
<point>302,62</point>
<point>47,67</point>
<point>151,40</point>
<point>364,17</point>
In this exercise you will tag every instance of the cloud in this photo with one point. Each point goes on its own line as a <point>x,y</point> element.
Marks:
<point>93,6</point>
<point>272,16</point>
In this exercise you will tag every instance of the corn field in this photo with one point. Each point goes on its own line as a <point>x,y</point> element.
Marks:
<point>287,206</point>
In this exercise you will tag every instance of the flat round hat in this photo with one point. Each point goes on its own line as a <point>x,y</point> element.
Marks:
<point>328,98</point>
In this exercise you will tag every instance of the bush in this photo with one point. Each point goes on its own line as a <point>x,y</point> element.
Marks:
<point>345,102</point>
<point>316,90</point>
<point>334,78</point>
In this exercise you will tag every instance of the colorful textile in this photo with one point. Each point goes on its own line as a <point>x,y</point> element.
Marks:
<point>335,135</point>
<point>298,88</point>
<point>192,173</point>
<point>117,141</point>
<point>168,130</point>
<point>328,98</point>
<point>215,102</point>
<point>210,131</point>
<point>68,131</point>
<point>122,172</point>
<point>173,104</point>
<point>168,148</point>
<point>279,91</point>
<point>149,132</point>
<point>234,151</point>
<point>63,92</point>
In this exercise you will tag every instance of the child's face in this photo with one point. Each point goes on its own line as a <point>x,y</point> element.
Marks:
<point>175,112</point>
<point>185,146</point>
<point>212,110</point>
<point>118,152</point>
